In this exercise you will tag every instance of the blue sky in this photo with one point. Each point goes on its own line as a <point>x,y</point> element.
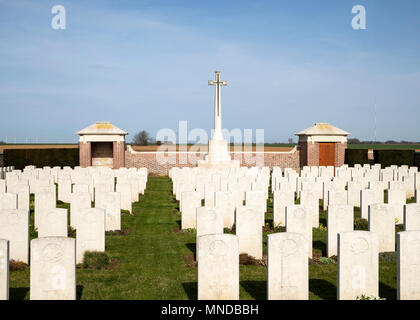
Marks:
<point>145,65</point>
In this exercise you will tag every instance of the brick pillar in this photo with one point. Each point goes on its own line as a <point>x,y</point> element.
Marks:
<point>340,153</point>
<point>85,154</point>
<point>303,153</point>
<point>118,155</point>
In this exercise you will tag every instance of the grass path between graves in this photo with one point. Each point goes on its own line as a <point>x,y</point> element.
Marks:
<point>153,258</point>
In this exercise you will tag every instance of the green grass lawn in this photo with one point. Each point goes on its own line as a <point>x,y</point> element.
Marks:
<point>152,258</point>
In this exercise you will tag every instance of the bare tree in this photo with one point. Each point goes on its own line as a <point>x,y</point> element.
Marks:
<point>141,139</point>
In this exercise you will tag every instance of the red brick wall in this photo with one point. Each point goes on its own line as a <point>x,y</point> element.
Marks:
<point>340,154</point>
<point>85,155</point>
<point>118,155</point>
<point>309,153</point>
<point>148,160</point>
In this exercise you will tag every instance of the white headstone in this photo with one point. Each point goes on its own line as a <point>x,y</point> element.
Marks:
<point>209,221</point>
<point>367,197</point>
<point>44,201</point>
<point>8,201</point>
<point>225,201</point>
<point>125,190</point>
<point>14,226</point>
<point>281,200</point>
<point>90,232</point>
<point>299,220</point>
<point>340,218</point>
<point>216,282</point>
<point>412,217</point>
<point>257,199</point>
<point>4,269</point>
<point>111,202</point>
<point>64,190</point>
<point>358,265</point>
<point>249,231</point>
<point>23,199</point>
<point>78,202</point>
<point>382,223</point>
<point>408,265</point>
<point>310,201</point>
<point>53,269</point>
<point>191,200</point>
<point>287,266</point>
<point>53,223</point>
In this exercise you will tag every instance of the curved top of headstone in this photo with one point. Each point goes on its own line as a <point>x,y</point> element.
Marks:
<point>322,129</point>
<point>102,127</point>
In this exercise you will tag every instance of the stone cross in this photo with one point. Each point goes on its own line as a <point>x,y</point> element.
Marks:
<point>217,106</point>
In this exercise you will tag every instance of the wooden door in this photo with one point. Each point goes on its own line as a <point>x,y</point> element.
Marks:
<point>327,154</point>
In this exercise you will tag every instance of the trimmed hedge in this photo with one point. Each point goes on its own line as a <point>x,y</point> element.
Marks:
<point>394,157</point>
<point>356,156</point>
<point>19,158</point>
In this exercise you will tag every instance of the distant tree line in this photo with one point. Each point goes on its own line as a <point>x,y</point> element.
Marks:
<point>144,139</point>
<point>357,141</point>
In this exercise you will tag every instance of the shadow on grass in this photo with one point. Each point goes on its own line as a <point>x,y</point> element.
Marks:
<point>18,293</point>
<point>190,289</point>
<point>191,247</point>
<point>387,292</point>
<point>257,289</point>
<point>320,246</point>
<point>323,220</point>
<point>79,292</point>
<point>179,224</point>
<point>323,289</point>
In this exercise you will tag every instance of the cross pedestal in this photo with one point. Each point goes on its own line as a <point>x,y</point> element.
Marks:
<point>218,154</point>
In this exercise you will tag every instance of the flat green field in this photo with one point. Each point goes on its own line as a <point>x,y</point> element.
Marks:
<point>154,259</point>
<point>384,146</point>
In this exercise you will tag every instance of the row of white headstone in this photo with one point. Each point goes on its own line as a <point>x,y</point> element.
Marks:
<point>287,266</point>
<point>3,171</point>
<point>84,185</point>
<point>297,218</point>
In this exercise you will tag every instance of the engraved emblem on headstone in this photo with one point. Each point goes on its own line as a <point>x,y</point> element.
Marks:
<point>359,246</point>
<point>53,252</point>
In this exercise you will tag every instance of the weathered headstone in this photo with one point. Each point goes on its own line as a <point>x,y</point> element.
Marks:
<point>209,221</point>
<point>216,282</point>
<point>382,223</point>
<point>281,200</point>
<point>257,199</point>
<point>53,223</point>
<point>408,265</point>
<point>125,190</point>
<point>339,219</point>
<point>64,190</point>
<point>300,221</point>
<point>310,201</point>
<point>191,200</point>
<point>8,201</point>
<point>111,202</point>
<point>287,266</point>
<point>225,201</point>
<point>358,265</point>
<point>412,217</point>
<point>23,199</point>
<point>44,201</point>
<point>78,202</point>
<point>249,231</point>
<point>90,232</point>
<point>4,269</point>
<point>53,269</point>
<point>397,198</point>
<point>14,226</point>
<point>367,197</point>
